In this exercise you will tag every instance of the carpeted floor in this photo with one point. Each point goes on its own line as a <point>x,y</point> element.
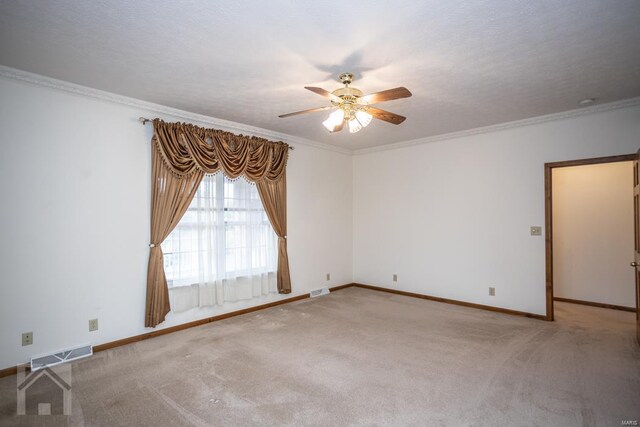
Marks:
<point>361,357</point>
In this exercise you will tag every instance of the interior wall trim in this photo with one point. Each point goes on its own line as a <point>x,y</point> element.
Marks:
<point>548,215</point>
<point>454,302</point>
<point>596,304</point>
<point>617,105</point>
<point>124,341</point>
<point>229,126</point>
<point>106,346</point>
<point>39,80</point>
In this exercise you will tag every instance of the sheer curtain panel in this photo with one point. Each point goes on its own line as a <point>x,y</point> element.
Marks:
<point>223,249</point>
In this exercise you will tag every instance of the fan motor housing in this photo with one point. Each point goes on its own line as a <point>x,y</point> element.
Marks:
<point>348,94</point>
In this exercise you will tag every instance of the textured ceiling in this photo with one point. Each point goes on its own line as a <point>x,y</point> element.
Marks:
<point>468,64</point>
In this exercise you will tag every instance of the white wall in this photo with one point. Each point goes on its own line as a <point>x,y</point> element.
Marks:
<point>74,185</point>
<point>593,233</point>
<point>452,217</point>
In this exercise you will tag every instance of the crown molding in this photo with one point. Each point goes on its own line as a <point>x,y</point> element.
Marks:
<point>39,80</point>
<point>627,103</point>
<point>226,125</point>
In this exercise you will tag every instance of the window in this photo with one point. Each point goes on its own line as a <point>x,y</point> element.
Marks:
<point>224,236</point>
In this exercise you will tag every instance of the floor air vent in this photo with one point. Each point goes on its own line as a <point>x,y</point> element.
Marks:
<point>61,357</point>
<point>319,292</point>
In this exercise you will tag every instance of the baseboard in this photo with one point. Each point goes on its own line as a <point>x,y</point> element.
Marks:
<point>106,346</point>
<point>130,340</point>
<point>13,370</point>
<point>455,302</point>
<point>595,304</point>
<point>337,288</point>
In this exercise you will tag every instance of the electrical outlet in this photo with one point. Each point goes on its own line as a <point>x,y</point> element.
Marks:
<point>492,291</point>
<point>93,325</point>
<point>328,277</point>
<point>27,338</point>
<point>395,277</point>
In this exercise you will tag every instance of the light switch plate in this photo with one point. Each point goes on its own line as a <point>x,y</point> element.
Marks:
<point>536,230</point>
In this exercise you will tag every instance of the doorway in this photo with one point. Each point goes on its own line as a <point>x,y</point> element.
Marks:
<point>573,214</point>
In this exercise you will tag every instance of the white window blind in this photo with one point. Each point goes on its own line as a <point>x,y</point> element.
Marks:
<point>223,248</point>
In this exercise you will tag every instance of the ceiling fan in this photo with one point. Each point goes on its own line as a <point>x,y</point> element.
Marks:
<point>354,107</point>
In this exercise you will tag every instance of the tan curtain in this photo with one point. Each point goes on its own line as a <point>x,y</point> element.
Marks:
<point>274,198</point>
<point>182,154</point>
<point>170,199</point>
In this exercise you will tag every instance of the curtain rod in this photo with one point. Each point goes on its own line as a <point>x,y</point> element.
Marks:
<point>144,121</point>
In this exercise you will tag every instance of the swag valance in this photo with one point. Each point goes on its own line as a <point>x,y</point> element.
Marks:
<point>186,149</point>
<point>180,157</point>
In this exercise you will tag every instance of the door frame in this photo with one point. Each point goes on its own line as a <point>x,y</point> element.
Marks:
<point>548,213</point>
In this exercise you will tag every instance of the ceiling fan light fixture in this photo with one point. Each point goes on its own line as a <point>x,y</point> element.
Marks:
<point>353,107</point>
<point>359,121</point>
<point>364,118</point>
<point>334,120</point>
<point>354,126</point>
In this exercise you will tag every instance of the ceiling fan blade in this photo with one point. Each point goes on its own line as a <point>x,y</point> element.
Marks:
<point>386,95</point>
<point>386,116</point>
<point>339,127</point>
<point>323,92</point>
<point>312,110</point>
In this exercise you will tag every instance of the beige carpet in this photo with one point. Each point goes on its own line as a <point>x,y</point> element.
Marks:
<point>361,357</point>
